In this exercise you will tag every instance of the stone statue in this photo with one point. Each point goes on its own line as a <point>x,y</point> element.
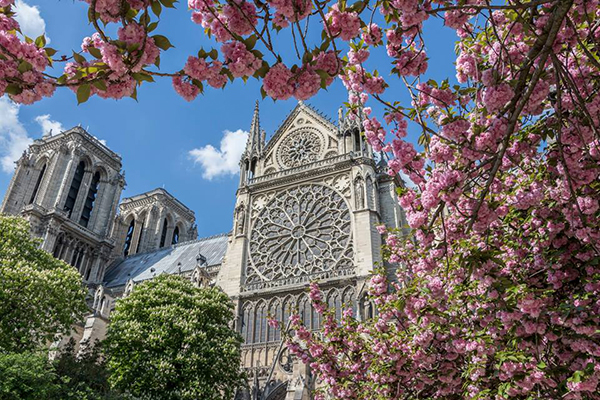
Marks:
<point>359,193</point>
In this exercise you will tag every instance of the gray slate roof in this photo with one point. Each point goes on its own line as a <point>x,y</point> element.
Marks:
<point>167,260</point>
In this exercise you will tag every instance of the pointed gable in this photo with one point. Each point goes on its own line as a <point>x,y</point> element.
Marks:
<point>305,136</point>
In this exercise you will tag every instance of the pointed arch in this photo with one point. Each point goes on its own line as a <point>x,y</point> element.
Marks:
<point>260,322</point>
<point>275,312</point>
<point>38,182</point>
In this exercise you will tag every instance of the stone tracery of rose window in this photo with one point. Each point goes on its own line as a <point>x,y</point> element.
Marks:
<point>302,231</point>
<point>300,148</point>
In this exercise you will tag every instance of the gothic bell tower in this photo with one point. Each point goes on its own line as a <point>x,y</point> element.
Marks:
<point>68,186</point>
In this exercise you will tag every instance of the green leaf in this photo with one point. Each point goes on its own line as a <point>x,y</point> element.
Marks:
<point>40,41</point>
<point>156,8</point>
<point>250,42</point>
<point>95,52</point>
<point>139,76</point>
<point>13,89</point>
<point>198,84</point>
<point>162,42</point>
<point>100,85</point>
<point>214,54</point>
<point>79,58</point>
<point>50,51</point>
<point>24,66</point>
<point>168,3</point>
<point>134,94</point>
<point>83,93</point>
<point>152,26</point>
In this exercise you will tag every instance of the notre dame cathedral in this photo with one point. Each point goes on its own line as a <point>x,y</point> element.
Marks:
<point>306,209</point>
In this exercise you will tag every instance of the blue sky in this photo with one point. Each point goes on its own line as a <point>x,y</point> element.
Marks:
<point>156,134</point>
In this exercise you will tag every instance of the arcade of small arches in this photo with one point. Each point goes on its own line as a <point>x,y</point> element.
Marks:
<point>79,254</point>
<point>254,315</point>
<point>142,225</point>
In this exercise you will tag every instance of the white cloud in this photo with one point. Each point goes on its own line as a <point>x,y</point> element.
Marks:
<point>14,138</point>
<point>49,125</point>
<point>13,135</point>
<point>31,22</point>
<point>224,161</point>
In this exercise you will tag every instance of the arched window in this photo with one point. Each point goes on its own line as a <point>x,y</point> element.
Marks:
<point>88,273</point>
<point>250,324</point>
<point>175,236</point>
<point>89,200</point>
<point>37,184</point>
<point>58,247</point>
<point>129,238</point>
<point>260,331</point>
<point>75,186</point>
<point>245,317</point>
<point>74,256</point>
<point>163,235</point>
<point>357,140</point>
<point>275,313</point>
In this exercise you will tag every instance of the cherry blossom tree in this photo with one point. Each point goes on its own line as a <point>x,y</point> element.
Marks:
<point>497,290</point>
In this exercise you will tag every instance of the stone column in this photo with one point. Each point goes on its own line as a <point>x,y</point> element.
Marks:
<point>68,254</point>
<point>48,180</point>
<point>99,204</point>
<point>137,232</point>
<point>148,236</point>
<point>117,183</point>
<point>94,265</point>
<point>50,235</point>
<point>81,196</point>
<point>66,180</point>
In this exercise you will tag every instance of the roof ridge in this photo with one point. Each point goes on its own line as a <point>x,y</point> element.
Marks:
<point>199,239</point>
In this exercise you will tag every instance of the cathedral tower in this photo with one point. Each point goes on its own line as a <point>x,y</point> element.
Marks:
<point>68,187</point>
<point>306,210</point>
<point>151,221</point>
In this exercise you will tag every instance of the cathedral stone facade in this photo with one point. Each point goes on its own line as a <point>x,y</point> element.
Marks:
<point>306,209</point>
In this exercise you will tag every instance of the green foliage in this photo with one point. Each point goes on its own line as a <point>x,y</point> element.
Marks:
<point>71,376</point>
<point>83,375</point>
<point>40,296</point>
<point>26,376</point>
<point>171,340</point>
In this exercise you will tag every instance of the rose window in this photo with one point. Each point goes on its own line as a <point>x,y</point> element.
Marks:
<point>302,231</point>
<point>300,148</point>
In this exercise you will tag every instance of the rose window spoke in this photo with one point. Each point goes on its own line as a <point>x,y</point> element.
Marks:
<point>303,231</point>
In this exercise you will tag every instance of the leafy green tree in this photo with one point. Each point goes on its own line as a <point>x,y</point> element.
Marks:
<point>83,375</point>
<point>40,296</point>
<point>172,340</point>
<point>26,376</point>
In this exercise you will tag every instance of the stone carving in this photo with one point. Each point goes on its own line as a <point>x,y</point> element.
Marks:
<point>302,231</point>
<point>286,361</point>
<point>300,148</point>
<point>240,219</point>
<point>128,288</point>
<point>359,193</point>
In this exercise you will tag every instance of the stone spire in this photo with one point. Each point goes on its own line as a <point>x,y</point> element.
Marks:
<point>255,143</point>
